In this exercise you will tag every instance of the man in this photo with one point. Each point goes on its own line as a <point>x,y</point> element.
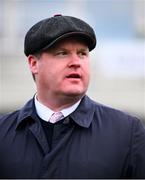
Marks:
<point>89,140</point>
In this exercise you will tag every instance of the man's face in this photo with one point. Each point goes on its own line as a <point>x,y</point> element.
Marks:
<point>63,70</point>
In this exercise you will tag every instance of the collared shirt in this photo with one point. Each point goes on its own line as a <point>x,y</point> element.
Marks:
<point>97,142</point>
<point>45,113</point>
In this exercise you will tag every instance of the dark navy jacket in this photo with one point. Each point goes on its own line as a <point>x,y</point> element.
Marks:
<point>95,141</point>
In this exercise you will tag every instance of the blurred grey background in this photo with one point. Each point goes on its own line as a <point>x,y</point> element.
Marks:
<point>117,63</point>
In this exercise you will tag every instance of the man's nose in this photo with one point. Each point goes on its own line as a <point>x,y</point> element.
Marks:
<point>74,61</point>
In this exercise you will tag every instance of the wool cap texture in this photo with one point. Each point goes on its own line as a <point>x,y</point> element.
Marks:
<point>47,32</point>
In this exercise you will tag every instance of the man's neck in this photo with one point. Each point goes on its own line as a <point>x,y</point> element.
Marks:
<point>58,104</point>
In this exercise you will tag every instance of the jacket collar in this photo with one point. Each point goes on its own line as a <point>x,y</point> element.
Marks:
<point>27,113</point>
<point>83,115</point>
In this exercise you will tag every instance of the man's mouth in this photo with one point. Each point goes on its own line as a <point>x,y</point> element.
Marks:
<point>73,76</point>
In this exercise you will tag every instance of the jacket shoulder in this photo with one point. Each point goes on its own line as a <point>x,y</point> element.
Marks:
<point>112,114</point>
<point>19,115</point>
<point>9,117</point>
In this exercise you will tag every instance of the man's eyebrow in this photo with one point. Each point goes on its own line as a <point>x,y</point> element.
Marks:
<point>60,48</point>
<point>84,49</point>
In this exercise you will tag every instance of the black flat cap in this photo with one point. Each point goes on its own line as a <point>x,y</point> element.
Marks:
<point>49,31</point>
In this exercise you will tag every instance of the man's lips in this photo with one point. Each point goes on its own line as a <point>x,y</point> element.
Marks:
<point>73,76</point>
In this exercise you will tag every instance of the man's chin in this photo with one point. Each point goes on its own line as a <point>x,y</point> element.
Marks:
<point>75,94</point>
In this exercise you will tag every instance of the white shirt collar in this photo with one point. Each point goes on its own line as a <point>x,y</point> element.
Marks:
<point>45,113</point>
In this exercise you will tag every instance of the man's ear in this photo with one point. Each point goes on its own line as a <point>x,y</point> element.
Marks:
<point>33,63</point>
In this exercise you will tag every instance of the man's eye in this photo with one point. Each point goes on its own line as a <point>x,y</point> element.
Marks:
<point>82,54</point>
<point>61,53</point>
